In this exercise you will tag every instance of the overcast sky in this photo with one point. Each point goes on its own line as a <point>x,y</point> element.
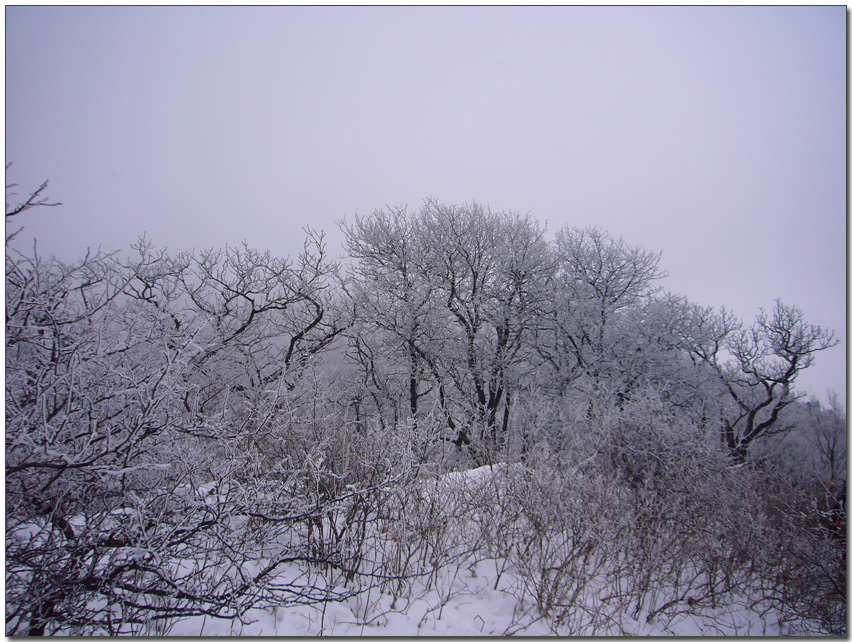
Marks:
<point>716,135</point>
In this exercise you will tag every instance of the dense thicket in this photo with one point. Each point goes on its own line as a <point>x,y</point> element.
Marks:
<point>184,431</point>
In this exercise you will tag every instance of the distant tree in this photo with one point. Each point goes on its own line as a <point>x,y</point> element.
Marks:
<point>763,363</point>
<point>493,274</point>
<point>603,303</point>
<point>264,316</point>
<point>394,310</point>
<point>825,429</point>
<point>455,292</point>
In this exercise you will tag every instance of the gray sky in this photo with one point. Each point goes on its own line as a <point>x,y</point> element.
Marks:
<point>716,135</point>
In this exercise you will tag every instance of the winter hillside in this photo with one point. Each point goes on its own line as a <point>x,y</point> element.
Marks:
<point>479,592</point>
<point>466,428</point>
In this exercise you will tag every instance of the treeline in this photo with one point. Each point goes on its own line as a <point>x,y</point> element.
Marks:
<point>173,420</point>
<point>476,316</point>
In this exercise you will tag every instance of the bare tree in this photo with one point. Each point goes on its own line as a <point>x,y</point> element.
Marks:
<point>394,311</point>
<point>598,278</point>
<point>825,430</point>
<point>457,291</point>
<point>179,430</point>
<point>36,199</point>
<point>765,361</point>
<point>492,273</point>
<point>132,461</point>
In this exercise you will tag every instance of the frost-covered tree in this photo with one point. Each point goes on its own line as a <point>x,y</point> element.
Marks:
<point>598,278</point>
<point>456,293</point>
<point>492,272</point>
<point>607,322</point>
<point>814,442</point>
<point>397,327</point>
<point>94,519</point>
<point>212,432</point>
<point>146,401</point>
<point>828,435</point>
<point>264,319</point>
<point>756,367</point>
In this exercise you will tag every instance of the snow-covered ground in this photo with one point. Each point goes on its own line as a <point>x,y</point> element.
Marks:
<point>473,595</point>
<point>466,604</point>
<point>473,583</point>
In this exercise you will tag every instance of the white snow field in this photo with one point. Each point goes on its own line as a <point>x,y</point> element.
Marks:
<point>480,593</point>
<point>467,604</point>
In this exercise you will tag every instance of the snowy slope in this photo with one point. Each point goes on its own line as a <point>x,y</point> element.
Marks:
<point>473,595</point>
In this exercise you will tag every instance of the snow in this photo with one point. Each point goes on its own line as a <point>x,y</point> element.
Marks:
<point>471,592</point>
<point>470,597</point>
<point>466,604</point>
